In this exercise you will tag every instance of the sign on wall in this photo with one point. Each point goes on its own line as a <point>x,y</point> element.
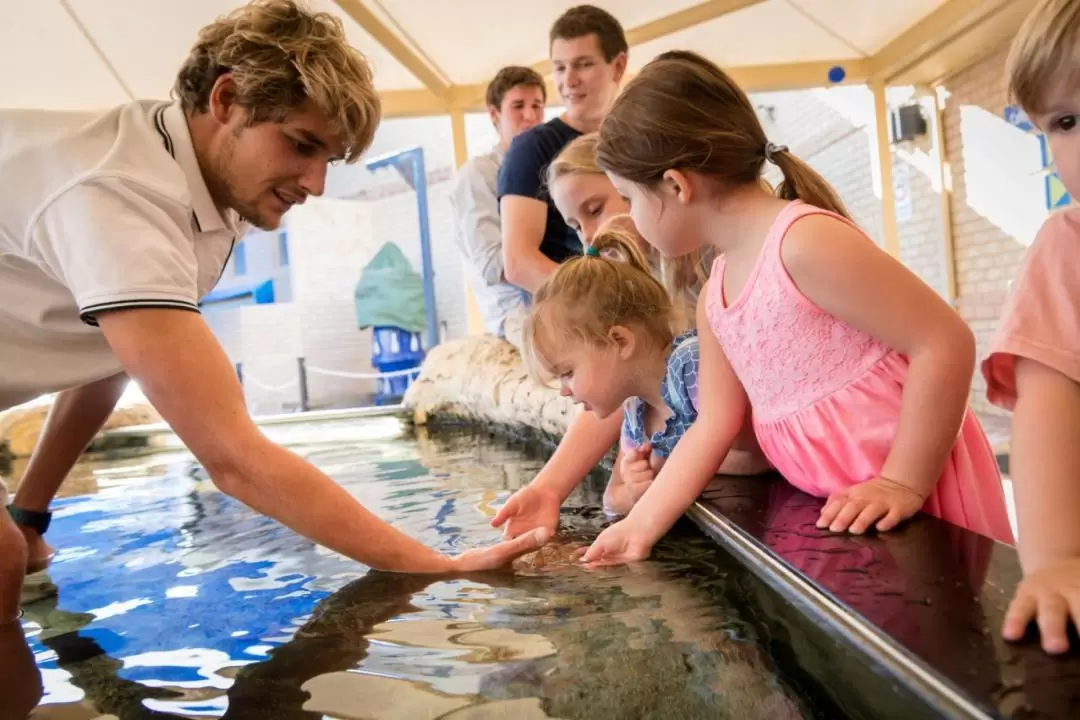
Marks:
<point>1056,194</point>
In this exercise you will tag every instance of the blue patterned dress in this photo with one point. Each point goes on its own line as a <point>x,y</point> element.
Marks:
<point>679,390</point>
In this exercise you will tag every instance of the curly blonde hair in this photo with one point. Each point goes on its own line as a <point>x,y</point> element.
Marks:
<point>588,295</point>
<point>281,55</point>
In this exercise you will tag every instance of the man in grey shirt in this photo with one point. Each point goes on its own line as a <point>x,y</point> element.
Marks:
<point>515,101</point>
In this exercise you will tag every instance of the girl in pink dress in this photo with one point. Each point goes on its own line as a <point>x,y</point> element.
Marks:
<point>857,373</point>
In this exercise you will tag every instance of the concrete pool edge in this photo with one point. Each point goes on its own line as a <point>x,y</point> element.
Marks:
<point>275,419</point>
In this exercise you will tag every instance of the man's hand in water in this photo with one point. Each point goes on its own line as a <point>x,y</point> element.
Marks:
<point>501,555</point>
<point>530,508</point>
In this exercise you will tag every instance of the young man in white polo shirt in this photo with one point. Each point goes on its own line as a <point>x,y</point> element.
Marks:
<point>115,224</point>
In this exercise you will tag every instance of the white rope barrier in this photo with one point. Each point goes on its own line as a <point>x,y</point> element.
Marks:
<point>362,376</point>
<point>312,369</point>
<point>249,380</point>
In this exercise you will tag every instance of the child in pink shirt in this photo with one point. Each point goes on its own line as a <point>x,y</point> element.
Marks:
<point>1034,365</point>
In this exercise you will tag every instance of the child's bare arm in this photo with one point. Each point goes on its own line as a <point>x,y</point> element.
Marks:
<point>836,267</point>
<point>690,467</point>
<point>1045,466</point>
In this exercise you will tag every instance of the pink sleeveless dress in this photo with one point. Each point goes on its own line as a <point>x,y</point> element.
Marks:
<point>826,397</point>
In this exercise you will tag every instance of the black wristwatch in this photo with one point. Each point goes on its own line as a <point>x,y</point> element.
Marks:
<point>37,521</point>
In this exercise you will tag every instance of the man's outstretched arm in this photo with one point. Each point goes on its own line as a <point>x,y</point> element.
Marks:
<point>188,378</point>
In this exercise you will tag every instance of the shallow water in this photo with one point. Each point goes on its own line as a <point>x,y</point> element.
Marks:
<point>168,599</point>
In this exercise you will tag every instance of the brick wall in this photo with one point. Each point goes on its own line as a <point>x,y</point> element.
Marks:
<point>997,199</point>
<point>831,129</point>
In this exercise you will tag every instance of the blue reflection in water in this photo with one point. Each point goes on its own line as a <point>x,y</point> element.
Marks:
<point>183,583</point>
<point>169,599</point>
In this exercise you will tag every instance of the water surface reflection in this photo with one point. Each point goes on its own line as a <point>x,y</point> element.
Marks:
<point>168,599</point>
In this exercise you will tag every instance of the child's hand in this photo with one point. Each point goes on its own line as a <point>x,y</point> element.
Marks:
<point>623,542</point>
<point>636,470</point>
<point>529,508</point>
<point>880,501</point>
<point>1049,596</point>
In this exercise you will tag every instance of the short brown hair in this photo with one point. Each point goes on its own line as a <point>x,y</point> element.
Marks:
<point>509,78</point>
<point>686,113</point>
<point>281,55</point>
<point>1045,51</point>
<point>583,20</point>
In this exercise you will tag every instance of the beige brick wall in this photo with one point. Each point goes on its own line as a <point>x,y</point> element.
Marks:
<point>831,130</point>
<point>997,201</point>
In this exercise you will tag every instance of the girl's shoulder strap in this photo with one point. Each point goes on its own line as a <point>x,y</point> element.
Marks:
<point>797,210</point>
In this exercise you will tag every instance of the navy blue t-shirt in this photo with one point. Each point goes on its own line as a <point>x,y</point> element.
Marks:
<point>523,172</point>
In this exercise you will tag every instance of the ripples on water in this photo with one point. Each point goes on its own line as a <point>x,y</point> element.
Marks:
<point>171,600</point>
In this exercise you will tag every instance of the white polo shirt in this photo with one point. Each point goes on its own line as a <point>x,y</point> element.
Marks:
<point>98,212</point>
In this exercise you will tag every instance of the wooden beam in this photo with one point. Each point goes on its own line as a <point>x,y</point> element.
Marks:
<point>412,103</point>
<point>967,48</point>
<point>673,23</point>
<point>422,70</point>
<point>461,143</point>
<point>884,170</point>
<point>935,32</point>
<point>798,76</point>
<point>751,78</point>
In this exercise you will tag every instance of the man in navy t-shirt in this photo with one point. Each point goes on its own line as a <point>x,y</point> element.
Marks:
<point>588,57</point>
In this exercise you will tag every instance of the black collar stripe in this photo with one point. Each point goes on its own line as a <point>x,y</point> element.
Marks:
<point>159,123</point>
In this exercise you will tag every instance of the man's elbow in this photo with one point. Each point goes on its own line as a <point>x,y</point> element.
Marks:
<point>231,465</point>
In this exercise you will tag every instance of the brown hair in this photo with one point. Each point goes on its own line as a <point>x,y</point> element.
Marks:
<point>583,20</point>
<point>281,55</point>
<point>682,276</point>
<point>1045,51</point>
<point>509,78</point>
<point>683,112</point>
<point>589,295</point>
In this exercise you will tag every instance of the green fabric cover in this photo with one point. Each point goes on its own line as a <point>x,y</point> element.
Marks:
<point>390,292</point>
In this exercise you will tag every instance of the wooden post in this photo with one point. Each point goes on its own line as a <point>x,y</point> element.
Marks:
<point>475,320</point>
<point>884,170</point>
<point>944,181</point>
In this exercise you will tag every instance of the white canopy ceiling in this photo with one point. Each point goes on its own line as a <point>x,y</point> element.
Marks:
<point>432,56</point>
